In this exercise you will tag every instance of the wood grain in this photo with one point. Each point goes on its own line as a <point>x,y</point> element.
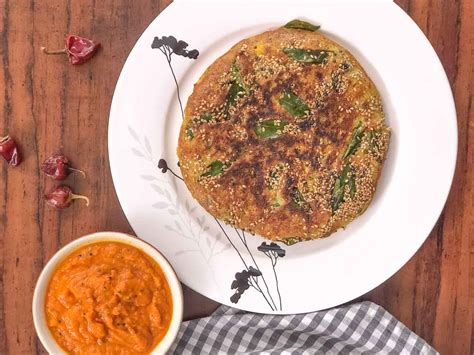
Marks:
<point>431,294</point>
<point>49,106</point>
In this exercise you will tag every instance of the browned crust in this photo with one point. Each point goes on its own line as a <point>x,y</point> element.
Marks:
<point>310,149</point>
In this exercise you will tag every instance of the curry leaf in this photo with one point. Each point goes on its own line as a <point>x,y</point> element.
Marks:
<point>293,104</point>
<point>291,241</point>
<point>215,168</point>
<point>352,186</point>
<point>337,194</point>
<point>205,117</point>
<point>370,135</point>
<point>189,133</point>
<point>355,140</point>
<point>340,185</point>
<point>234,91</point>
<point>237,86</point>
<point>235,72</point>
<point>298,201</point>
<point>270,128</point>
<point>297,196</point>
<point>316,56</point>
<point>302,25</point>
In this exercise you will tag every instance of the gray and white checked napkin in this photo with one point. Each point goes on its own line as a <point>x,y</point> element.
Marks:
<point>355,328</point>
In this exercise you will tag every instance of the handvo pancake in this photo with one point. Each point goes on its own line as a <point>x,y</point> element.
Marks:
<point>284,136</point>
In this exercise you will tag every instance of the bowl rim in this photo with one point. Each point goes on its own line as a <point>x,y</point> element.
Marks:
<point>39,319</point>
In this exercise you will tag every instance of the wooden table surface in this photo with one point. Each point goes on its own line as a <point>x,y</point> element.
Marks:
<point>50,106</point>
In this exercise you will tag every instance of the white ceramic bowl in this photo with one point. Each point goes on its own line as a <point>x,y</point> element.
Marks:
<point>41,286</point>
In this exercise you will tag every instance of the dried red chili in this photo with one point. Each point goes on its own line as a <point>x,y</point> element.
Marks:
<point>58,168</point>
<point>78,49</point>
<point>62,196</point>
<point>9,151</point>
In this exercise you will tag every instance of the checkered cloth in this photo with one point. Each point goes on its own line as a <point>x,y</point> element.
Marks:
<point>356,328</point>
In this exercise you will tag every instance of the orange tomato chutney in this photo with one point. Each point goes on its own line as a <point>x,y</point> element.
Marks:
<point>108,298</point>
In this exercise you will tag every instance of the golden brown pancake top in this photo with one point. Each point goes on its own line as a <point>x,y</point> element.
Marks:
<point>284,136</point>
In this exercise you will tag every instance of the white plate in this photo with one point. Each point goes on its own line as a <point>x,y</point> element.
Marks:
<point>145,119</point>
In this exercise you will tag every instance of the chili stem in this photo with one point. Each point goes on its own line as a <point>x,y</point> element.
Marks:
<point>79,171</point>
<point>76,197</point>
<point>58,51</point>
